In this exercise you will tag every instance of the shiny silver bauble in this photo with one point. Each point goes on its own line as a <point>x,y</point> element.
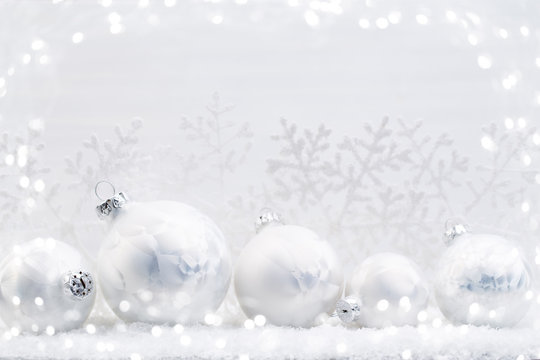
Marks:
<point>45,286</point>
<point>483,279</point>
<point>389,289</point>
<point>289,275</point>
<point>163,262</point>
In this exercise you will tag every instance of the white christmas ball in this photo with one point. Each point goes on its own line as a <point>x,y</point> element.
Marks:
<point>164,262</point>
<point>391,290</point>
<point>483,280</point>
<point>289,275</point>
<point>45,286</point>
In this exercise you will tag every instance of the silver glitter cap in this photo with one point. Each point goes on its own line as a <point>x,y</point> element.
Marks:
<point>454,229</point>
<point>267,217</point>
<point>78,284</point>
<point>111,205</point>
<point>348,309</point>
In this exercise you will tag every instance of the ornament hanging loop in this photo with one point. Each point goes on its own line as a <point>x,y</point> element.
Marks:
<point>454,228</point>
<point>267,216</point>
<point>111,204</point>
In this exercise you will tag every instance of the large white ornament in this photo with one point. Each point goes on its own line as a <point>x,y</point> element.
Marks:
<point>289,275</point>
<point>482,280</point>
<point>45,286</point>
<point>386,289</point>
<point>163,262</point>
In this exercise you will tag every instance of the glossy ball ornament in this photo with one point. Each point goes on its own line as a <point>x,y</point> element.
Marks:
<point>162,262</point>
<point>288,274</point>
<point>45,286</point>
<point>386,289</point>
<point>482,279</point>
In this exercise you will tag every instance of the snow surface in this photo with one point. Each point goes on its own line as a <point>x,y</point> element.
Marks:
<point>143,341</point>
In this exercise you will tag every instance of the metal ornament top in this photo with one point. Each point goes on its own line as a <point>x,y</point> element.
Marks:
<point>267,217</point>
<point>348,309</point>
<point>78,285</point>
<point>453,230</point>
<point>112,204</point>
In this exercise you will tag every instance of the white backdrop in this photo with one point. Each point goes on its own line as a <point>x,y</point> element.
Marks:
<point>199,90</point>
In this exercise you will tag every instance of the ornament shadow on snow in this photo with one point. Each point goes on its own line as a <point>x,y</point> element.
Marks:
<point>287,273</point>
<point>162,262</point>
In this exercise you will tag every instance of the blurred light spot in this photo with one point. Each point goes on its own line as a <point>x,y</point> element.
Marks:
<point>178,328</point>
<point>77,37</point>
<point>68,343</point>
<point>16,300</point>
<point>106,3</point>
<point>116,28</point>
<point>524,30</point>
<point>50,330</point>
<point>488,143</point>
<point>363,23</point>
<point>406,354</point>
<point>451,16</point>
<point>114,18</point>
<point>38,301</point>
<point>2,82</point>
<point>492,314</point>
<point>529,295</point>
<point>243,357</point>
<point>509,81</point>
<point>91,329</point>
<point>185,340</point>
<point>473,39</point>
<point>341,348</point>
<point>24,181</point>
<point>484,61</point>
<point>436,323</point>
<point>521,122</point>
<point>259,320</point>
<point>475,19</point>
<point>217,19</point>
<point>474,308</point>
<point>526,159</point>
<point>294,3</point>
<point>100,346</point>
<point>43,59</point>
<point>26,58</point>
<point>156,331</point>
<point>34,327</point>
<point>405,303</point>
<point>143,3</point>
<point>422,19</point>
<point>9,159</point>
<point>520,357</point>
<point>503,33</point>
<point>22,156</point>
<point>311,17</point>
<point>382,305</point>
<point>509,123</point>
<point>124,306</point>
<point>11,71</point>
<point>525,207</point>
<point>135,356</point>
<point>169,3</point>
<point>381,23</point>
<point>37,44</point>
<point>394,17</point>
<point>209,319</point>
<point>249,324</point>
<point>221,343</point>
<point>422,316</point>
<point>15,331</point>
<point>30,202</point>
<point>153,20</point>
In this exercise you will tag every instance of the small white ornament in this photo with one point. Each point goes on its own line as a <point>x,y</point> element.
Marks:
<point>482,279</point>
<point>45,286</point>
<point>162,262</point>
<point>287,274</point>
<point>386,289</point>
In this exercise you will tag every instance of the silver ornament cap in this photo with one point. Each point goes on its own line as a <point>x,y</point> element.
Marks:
<point>454,229</point>
<point>348,309</point>
<point>111,205</point>
<point>267,217</point>
<point>79,284</point>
